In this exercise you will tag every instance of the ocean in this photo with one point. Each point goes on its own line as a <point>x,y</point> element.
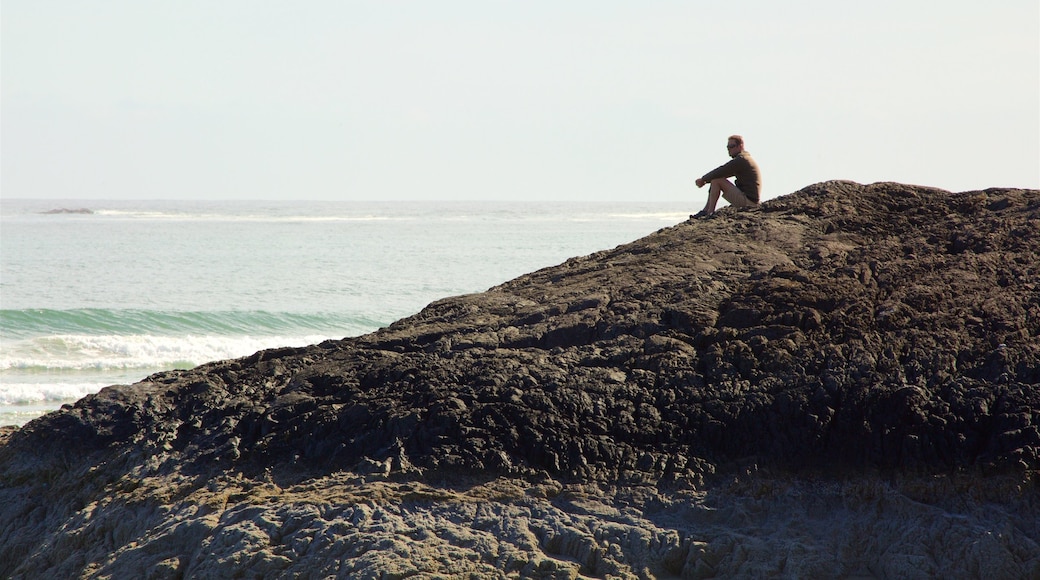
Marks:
<point>123,289</point>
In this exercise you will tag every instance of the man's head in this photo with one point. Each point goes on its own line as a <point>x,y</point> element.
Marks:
<point>735,144</point>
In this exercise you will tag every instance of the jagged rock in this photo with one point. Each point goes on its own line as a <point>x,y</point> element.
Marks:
<point>64,210</point>
<point>843,382</point>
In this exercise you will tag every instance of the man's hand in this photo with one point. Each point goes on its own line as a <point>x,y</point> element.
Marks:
<point>700,182</point>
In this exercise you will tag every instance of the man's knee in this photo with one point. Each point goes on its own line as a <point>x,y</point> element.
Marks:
<point>725,186</point>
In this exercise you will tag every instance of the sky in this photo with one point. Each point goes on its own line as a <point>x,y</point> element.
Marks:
<point>512,100</point>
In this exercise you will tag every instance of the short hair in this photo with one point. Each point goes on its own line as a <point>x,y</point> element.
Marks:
<point>737,138</point>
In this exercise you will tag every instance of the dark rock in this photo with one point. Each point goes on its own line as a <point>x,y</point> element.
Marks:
<point>844,329</point>
<point>63,210</point>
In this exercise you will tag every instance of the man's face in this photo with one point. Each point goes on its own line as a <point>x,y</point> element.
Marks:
<point>733,147</point>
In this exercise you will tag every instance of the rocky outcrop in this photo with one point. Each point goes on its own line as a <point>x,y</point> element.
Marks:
<point>65,210</point>
<point>842,382</point>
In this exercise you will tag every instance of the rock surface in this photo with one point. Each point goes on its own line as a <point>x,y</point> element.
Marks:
<point>844,382</point>
<point>64,210</point>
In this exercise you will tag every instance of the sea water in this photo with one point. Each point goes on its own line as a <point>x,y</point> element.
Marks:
<point>137,287</point>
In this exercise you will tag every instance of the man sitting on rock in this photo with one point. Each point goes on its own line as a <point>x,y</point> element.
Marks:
<point>744,168</point>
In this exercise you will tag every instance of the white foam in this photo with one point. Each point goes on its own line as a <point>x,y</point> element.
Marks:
<point>33,393</point>
<point>39,375</point>
<point>107,352</point>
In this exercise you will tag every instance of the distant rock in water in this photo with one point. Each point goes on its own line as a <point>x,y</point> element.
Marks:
<point>62,210</point>
<point>844,382</point>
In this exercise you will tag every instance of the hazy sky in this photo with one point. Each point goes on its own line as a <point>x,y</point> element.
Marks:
<point>503,99</point>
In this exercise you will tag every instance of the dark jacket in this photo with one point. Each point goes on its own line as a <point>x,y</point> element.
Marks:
<point>744,168</point>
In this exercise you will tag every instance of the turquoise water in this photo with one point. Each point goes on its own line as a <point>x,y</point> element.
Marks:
<point>137,287</point>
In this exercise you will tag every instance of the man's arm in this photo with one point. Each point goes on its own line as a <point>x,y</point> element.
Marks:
<point>728,169</point>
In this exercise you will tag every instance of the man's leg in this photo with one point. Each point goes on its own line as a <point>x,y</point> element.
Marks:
<point>728,191</point>
<point>733,195</point>
<point>713,197</point>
